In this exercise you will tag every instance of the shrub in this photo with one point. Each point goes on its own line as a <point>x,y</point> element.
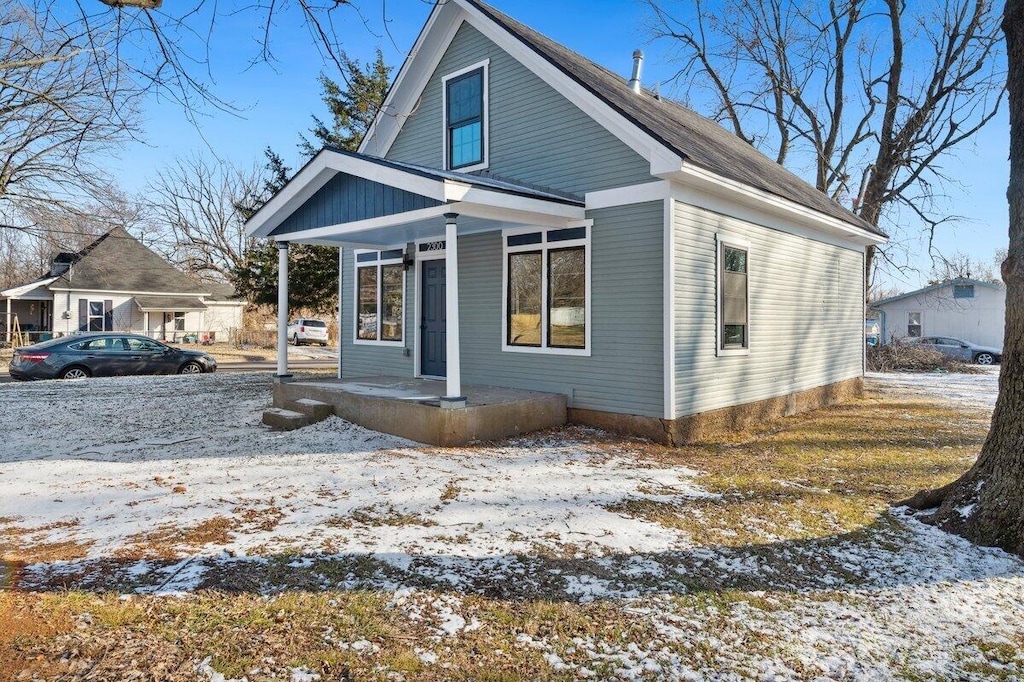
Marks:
<point>910,357</point>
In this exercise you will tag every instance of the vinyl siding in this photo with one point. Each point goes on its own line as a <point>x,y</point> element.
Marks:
<point>536,135</point>
<point>362,360</point>
<point>979,320</point>
<point>805,314</point>
<point>624,372</point>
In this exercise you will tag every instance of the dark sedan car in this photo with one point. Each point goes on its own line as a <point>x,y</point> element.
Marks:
<point>105,355</point>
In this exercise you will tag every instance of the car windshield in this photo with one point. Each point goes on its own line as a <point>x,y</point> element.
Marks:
<point>315,323</point>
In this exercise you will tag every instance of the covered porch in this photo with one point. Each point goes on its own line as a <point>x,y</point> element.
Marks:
<point>403,216</point>
<point>28,311</point>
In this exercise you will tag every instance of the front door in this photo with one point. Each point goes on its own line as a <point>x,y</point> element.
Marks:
<point>432,320</point>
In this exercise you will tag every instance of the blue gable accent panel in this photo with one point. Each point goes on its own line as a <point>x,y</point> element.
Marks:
<point>347,198</point>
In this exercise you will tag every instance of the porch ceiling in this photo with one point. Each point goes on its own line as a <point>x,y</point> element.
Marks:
<point>346,199</point>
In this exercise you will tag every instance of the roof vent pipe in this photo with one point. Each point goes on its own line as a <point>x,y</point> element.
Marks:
<point>638,65</point>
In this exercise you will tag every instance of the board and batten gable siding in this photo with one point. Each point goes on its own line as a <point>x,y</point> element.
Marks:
<point>369,360</point>
<point>806,324</point>
<point>347,198</point>
<point>625,372</point>
<point>980,320</point>
<point>537,136</point>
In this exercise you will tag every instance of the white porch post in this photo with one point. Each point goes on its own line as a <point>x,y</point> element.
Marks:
<point>282,309</point>
<point>8,321</point>
<point>145,322</point>
<point>453,397</point>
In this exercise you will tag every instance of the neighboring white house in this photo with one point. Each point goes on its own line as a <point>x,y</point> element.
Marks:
<point>967,309</point>
<point>117,284</point>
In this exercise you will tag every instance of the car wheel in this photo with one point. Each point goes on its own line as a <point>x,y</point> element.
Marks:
<point>75,373</point>
<point>295,339</point>
<point>985,359</point>
<point>191,368</point>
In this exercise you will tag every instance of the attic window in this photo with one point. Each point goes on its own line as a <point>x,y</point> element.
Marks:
<point>465,114</point>
<point>963,291</point>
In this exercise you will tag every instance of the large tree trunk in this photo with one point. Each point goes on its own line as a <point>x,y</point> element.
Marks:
<point>986,505</point>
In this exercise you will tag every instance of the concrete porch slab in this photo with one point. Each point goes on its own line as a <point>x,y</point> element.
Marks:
<point>411,408</point>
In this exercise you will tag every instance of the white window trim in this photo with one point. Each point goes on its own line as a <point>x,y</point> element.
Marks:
<point>380,283</point>
<point>417,337</point>
<point>102,317</point>
<point>485,128</point>
<point>544,246</point>
<point>724,240</point>
<point>920,323</point>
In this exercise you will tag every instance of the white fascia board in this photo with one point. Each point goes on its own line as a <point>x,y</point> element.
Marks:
<point>346,229</point>
<point>503,201</point>
<point>324,166</point>
<point>691,176</point>
<point>403,96</point>
<point>505,217</point>
<point>18,291</point>
<point>659,190</point>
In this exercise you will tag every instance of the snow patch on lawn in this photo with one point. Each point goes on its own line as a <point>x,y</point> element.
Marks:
<point>184,464</point>
<point>958,390</point>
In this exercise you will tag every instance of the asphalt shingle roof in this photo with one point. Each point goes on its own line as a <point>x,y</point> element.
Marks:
<point>695,138</point>
<point>118,261</point>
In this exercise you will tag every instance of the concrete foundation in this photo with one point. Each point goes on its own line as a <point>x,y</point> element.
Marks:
<point>411,408</point>
<point>710,425</point>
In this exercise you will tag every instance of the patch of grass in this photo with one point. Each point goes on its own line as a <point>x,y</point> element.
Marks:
<point>383,515</point>
<point>815,475</point>
<point>451,491</point>
<point>168,540</point>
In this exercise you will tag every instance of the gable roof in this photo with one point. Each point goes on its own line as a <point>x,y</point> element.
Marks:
<point>679,143</point>
<point>117,261</point>
<point>941,285</point>
<point>693,137</point>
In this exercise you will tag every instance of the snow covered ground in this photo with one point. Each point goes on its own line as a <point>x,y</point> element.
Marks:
<point>167,484</point>
<point>967,390</point>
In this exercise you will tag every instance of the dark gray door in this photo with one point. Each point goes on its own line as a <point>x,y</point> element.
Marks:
<point>433,361</point>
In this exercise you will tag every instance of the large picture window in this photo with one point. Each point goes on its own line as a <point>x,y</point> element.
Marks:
<point>465,118</point>
<point>380,296</point>
<point>733,305</point>
<point>547,289</point>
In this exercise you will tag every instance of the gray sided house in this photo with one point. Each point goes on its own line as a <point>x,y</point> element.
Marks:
<point>968,309</point>
<point>521,217</point>
<point>116,283</point>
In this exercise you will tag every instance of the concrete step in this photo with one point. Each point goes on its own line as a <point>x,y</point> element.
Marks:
<point>315,410</point>
<point>284,420</point>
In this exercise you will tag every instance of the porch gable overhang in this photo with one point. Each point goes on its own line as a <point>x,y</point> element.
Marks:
<point>342,197</point>
<point>33,291</point>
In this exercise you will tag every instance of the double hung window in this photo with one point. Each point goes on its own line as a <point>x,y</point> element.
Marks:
<point>733,292</point>
<point>914,324</point>
<point>380,296</point>
<point>465,118</point>
<point>547,290</point>
<point>97,317</point>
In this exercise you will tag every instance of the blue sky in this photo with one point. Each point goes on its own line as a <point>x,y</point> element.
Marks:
<point>277,100</point>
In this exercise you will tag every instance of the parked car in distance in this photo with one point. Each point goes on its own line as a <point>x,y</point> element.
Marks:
<point>308,330</point>
<point>104,355</point>
<point>959,349</point>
